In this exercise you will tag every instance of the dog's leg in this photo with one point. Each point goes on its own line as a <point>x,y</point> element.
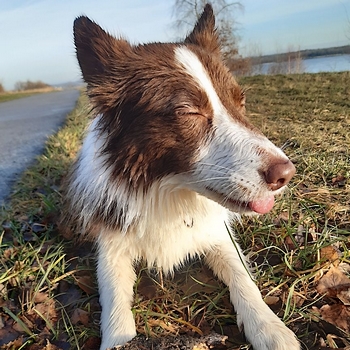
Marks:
<point>263,329</point>
<point>116,278</point>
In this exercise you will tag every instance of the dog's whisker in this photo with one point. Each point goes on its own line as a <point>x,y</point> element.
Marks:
<point>212,169</point>
<point>217,167</point>
<point>208,180</point>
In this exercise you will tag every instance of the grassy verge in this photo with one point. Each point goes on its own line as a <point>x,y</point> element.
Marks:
<point>9,96</point>
<point>47,284</point>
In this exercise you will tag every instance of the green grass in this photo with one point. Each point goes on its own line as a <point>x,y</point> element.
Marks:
<point>9,96</point>
<point>45,278</point>
<point>13,96</point>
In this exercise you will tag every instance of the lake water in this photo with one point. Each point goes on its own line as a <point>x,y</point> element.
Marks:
<point>337,63</point>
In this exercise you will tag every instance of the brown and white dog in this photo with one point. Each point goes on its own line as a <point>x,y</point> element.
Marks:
<point>169,160</point>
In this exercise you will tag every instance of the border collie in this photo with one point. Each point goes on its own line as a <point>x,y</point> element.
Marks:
<point>168,161</point>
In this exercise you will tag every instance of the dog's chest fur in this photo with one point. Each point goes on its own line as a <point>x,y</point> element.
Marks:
<point>162,225</point>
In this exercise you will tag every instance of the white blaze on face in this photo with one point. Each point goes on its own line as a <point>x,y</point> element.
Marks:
<point>196,70</point>
<point>229,164</point>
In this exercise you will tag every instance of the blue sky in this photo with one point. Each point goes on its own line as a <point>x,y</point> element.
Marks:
<point>36,39</point>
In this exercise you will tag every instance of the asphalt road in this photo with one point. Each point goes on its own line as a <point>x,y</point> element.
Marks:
<point>25,125</point>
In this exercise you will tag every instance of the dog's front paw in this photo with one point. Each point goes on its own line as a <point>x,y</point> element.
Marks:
<point>279,337</point>
<point>272,335</point>
<point>113,341</point>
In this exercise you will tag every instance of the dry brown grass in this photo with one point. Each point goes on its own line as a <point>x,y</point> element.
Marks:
<point>306,114</point>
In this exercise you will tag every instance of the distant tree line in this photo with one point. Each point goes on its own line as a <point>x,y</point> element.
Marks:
<point>304,54</point>
<point>30,85</point>
<point>2,89</point>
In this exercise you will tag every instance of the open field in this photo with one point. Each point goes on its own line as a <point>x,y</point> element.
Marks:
<point>14,95</point>
<point>299,252</point>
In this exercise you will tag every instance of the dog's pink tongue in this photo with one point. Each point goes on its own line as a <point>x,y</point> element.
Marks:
<point>262,206</point>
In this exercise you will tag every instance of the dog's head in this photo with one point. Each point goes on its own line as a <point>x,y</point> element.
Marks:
<point>175,110</point>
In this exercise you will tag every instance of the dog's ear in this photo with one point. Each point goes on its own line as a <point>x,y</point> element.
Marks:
<point>97,51</point>
<point>204,33</point>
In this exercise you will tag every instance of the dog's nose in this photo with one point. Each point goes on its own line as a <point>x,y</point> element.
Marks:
<point>279,174</point>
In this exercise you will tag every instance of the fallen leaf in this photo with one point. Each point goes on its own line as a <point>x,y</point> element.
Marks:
<point>44,311</point>
<point>7,335</point>
<point>15,344</point>
<point>337,314</point>
<point>86,283</point>
<point>329,254</point>
<point>50,346</point>
<point>344,295</point>
<point>18,327</point>
<point>40,297</point>
<point>271,300</point>
<point>334,283</point>
<point>81,316</point>
<point>68,293</point>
